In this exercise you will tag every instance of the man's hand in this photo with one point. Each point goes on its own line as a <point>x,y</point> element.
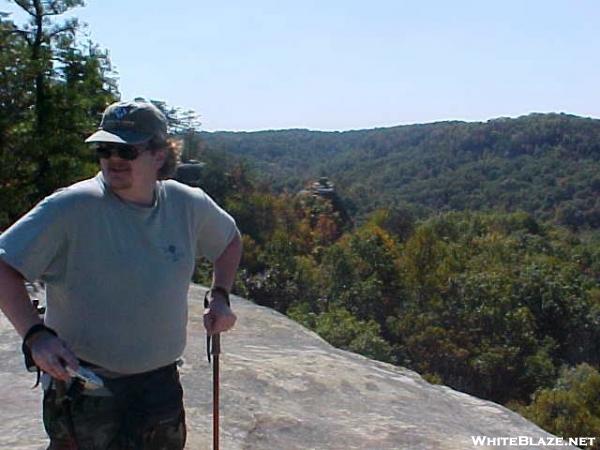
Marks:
<point>218,317</point>
<point>52,355</point>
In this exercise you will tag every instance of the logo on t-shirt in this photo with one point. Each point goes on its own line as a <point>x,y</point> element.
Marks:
<point>172,253</point>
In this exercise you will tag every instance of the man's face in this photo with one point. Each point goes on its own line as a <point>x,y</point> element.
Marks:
<point>123,174</point>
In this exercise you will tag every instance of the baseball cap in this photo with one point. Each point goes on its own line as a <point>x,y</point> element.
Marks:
<point>133,122</point>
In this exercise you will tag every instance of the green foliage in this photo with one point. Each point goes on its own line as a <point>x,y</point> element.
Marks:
<point>397,221</point>
<point>16,122</point>
<point>571,407</point>
<point>361,273</point>
<point>491,304</point>
<point>342,329</point>
<point>494,307</point>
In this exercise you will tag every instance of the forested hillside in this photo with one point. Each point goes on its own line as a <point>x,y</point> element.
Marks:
<point>500,305</point>
<point>545,164</point>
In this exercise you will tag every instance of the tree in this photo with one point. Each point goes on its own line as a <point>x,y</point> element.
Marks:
<point>570,408</point>
<point>54,92</point>
<point>42,38</point>
<point>16,121</point>
<point>180,121</point>
<point>184,123</point>
<point>341,329</point>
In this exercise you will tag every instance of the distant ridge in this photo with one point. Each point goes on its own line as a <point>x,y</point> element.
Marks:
<point>387,127</point>
<point>546,164</point>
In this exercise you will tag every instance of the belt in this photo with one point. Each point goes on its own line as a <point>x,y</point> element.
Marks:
<point>49,383</point>
<point>106,375</point>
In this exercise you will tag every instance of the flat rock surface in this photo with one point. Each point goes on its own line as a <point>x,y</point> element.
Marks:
<point>284,388</point>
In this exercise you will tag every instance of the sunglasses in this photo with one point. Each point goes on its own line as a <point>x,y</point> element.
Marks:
<point>123,151</point>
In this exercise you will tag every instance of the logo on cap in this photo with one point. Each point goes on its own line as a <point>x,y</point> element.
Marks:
<point>120,112</point>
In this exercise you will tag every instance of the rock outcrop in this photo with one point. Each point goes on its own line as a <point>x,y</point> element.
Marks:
<point>284,388</point>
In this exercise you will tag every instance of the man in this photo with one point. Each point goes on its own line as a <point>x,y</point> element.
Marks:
<point>117,253</point>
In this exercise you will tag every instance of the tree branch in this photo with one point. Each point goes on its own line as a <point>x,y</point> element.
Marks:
<point>23,33</point>
<point>24,4</point>
<point>69,27</point>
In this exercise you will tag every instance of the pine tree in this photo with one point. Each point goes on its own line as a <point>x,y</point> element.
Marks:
<point>54,88</point>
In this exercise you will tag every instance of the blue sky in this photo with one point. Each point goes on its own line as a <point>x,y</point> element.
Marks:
<point>338,65</point>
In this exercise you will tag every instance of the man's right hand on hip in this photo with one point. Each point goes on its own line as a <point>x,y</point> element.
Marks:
<point>52,355</point>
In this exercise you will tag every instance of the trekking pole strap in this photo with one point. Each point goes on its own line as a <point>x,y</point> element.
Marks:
<point>208,347</point>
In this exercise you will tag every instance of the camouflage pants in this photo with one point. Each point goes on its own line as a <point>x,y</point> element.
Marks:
<point>146,413</point>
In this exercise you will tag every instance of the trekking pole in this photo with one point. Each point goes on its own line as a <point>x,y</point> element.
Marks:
<point>216,350</point>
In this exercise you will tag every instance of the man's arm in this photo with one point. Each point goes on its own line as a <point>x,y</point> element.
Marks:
<point>219,317</point>
<point>14,300</point>
<point>49,353</point>
<point>226,265</point>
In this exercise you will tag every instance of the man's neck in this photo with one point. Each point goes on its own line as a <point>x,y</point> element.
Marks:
<point>144,198</point>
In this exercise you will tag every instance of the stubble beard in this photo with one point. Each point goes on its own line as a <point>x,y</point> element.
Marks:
<point>118,180</point>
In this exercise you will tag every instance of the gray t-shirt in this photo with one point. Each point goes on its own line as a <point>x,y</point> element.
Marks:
<point>117,275</point>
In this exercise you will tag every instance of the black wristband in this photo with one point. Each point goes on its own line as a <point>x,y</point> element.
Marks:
<point>37,328</point>
<point>219,289</point>
<point>29,363</point>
